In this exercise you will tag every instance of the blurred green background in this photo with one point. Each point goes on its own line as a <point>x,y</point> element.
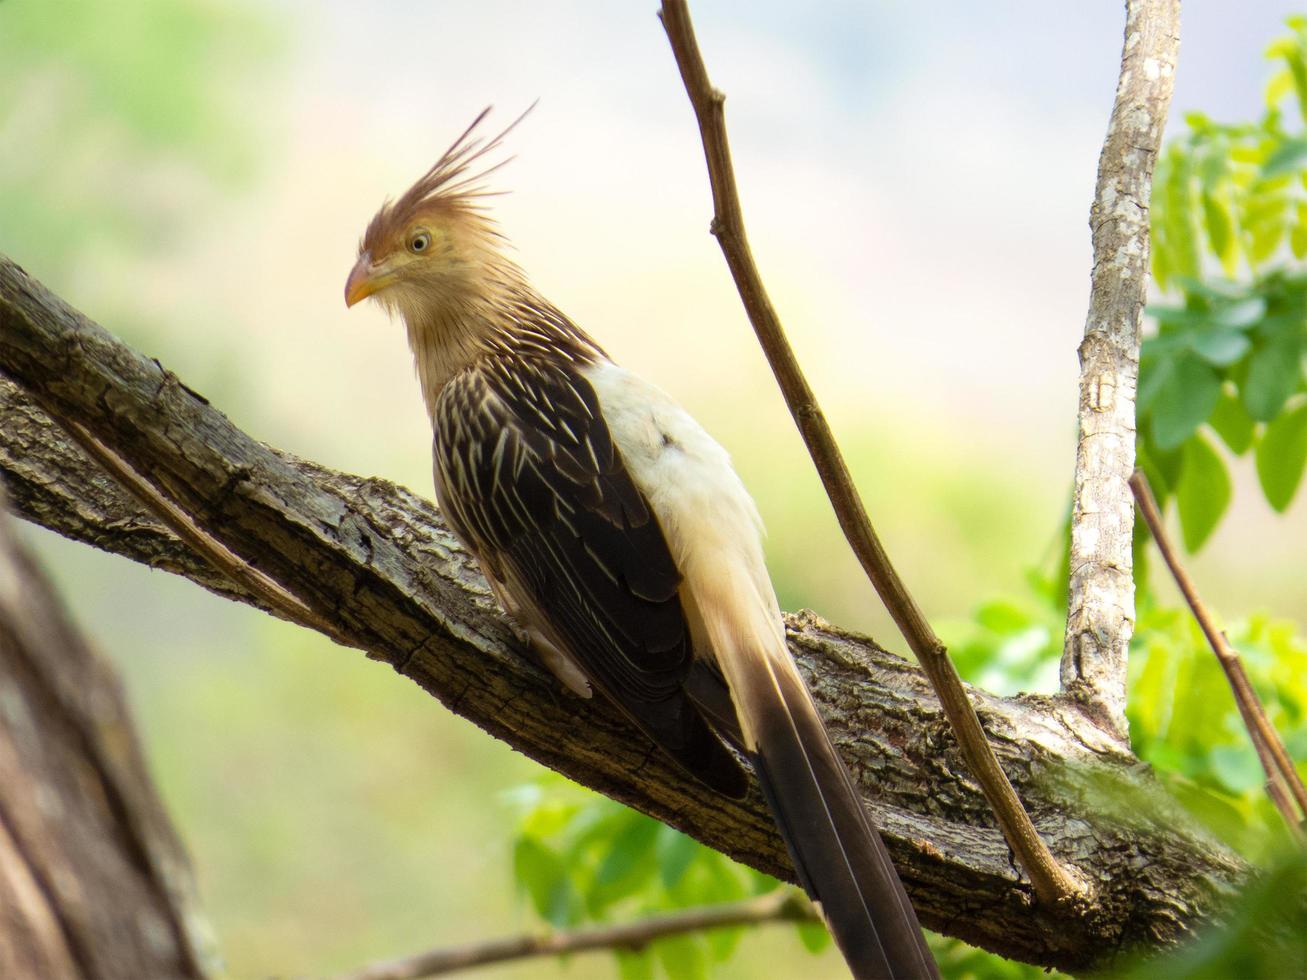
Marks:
<point>195,175</point>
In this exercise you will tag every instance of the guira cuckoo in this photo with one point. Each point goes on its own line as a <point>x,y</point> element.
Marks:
<point>614,530</point>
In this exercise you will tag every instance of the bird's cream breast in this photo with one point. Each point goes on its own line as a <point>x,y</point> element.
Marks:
<point>704,510</point>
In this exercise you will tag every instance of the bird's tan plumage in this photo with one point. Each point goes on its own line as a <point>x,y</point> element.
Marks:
<point>615,530</point>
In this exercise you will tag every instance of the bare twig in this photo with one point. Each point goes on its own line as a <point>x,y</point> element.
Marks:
<point>1100,600</point>
<point>1280,797</point>
<point>1052,883</point>
<point>779,906</point>
<point>1282,776</point>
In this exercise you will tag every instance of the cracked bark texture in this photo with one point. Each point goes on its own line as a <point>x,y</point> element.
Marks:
<point>380,564</point>
<point>1101,599</point>
<point>93,882</point>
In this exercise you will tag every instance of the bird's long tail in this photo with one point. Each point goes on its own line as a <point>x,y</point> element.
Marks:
<point>840,858</point>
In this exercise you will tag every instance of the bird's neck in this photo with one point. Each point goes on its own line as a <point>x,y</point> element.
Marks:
<point>445,340</point>
<point>509,317</point>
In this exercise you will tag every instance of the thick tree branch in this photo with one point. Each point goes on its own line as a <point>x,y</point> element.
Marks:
<point>93,883</point>
<point>378,563</point>
<point>1101,597</point>
<point>1052,883</point>
<point>777,906</point>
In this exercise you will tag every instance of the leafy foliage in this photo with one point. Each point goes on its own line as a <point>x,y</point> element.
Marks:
<point>579,857</point>
<point>1183,718</point>
<point>1228,353</point>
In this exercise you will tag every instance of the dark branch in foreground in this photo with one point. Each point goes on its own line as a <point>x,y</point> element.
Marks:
<point>1051,881</point>
<point>93,882</point>
<point>778,906</point>
<point>377,563</point>
<point>1283,784</point>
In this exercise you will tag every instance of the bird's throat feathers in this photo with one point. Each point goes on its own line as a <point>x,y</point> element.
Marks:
<point>504,317</point>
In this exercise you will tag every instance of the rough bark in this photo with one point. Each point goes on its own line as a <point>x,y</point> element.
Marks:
<point>1101,600</point>
<point>93,883</point>
<point>378,561</point>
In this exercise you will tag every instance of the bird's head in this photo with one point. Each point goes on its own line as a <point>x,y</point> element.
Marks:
<point>435,245</point>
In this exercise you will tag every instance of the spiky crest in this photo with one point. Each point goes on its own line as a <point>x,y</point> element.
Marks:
<point>453,184</point>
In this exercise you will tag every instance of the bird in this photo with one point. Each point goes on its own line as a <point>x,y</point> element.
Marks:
<point>616,534</point>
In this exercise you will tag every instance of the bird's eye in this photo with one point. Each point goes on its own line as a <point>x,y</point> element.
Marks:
<point>419,242</point>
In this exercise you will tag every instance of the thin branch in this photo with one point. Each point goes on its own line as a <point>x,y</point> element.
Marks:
<point>1281,774</point>
<point>778,906</point>
<point>1052,883</point>
<point>1100,591</point>
<point>241,573</point>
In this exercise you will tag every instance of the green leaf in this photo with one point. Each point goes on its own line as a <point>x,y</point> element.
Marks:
<point>676,853</point>
<point>1179,220</point>
<point>814,936</point>
<point>1279,85</point>
<point>1203,493</point>
<point>1265,238</point>
<point>634,965</point>
<point>1298,69</point>
<point>1183,400</point>
<point>1231,422</point>
<point>1003,616</point>
<point>1282,456</point>
<point>1289,157</point>
<point>1240,314</point>
<point>1183,316</point>
<point>1166,466</point>
<point>1237,768</point>
<point>1298,241</point>
<point>723,942</point>
<point>628,864</point>
<point>1215,290</point>
<point>544,876</point>
<point>1155,370</point>
<point>683,956</point>
<point>1298,237</point>
<point>1156,480</point>
<point>1220,347</point>
<point>1220,230</point>
<point>1273,373</point>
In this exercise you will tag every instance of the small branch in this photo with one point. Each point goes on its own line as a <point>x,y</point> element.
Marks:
<point>1052,883</point>
<point>240,573</point>
<point>779,906</point>
<point>1282,776</point>
<point>1100,598</point>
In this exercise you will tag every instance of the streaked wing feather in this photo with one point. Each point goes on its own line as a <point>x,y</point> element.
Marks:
<point>532,481</point>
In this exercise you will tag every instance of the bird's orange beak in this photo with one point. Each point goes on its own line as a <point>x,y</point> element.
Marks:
<point>363,280</point>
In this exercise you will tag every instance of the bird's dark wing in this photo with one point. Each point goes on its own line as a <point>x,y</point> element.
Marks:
<point>532,481</point>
